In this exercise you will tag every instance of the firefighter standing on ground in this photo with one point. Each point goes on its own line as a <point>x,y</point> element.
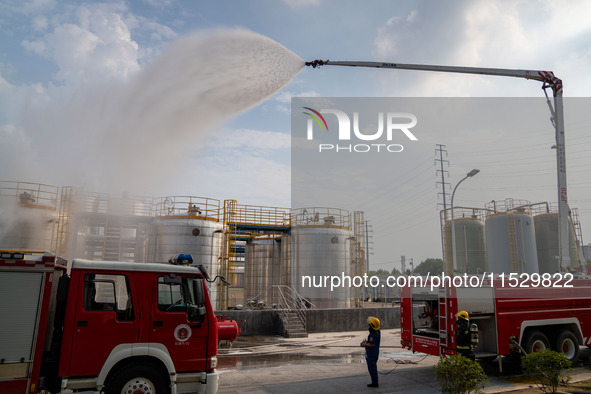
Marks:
<point>372,349</point>
<point>463,335</point>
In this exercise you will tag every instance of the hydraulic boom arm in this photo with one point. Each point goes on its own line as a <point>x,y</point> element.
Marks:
<point>549,81</point>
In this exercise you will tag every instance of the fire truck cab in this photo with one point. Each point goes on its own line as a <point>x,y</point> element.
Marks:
<point>97,325</point>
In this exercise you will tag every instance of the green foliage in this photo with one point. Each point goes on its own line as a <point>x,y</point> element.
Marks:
<point>458,374</point>
<point>434,266</point>
<point>395,272</point>
<point>380,272</point>
<point>547,368</point>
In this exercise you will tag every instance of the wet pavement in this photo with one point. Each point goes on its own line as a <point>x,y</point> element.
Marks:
<point>334,363</point>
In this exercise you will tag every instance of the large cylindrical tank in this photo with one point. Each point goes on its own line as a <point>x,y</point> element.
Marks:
<point>261,269</point>
<point>546,226</point>
<point>511,243</point>
<point>470,245</point>
<point>26,228</point>
<point>319,252</point>
<point>28,216</point>
<point>198,237</point>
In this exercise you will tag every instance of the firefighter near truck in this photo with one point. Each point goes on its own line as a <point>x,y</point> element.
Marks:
<point>507,316</point>
<point>111,327</point>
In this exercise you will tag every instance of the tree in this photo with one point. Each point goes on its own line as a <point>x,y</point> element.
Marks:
<point>395,272</point>
<point>380,272</point>
<point>431,265</point>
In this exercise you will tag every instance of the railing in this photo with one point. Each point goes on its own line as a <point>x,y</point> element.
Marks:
<point>35,195</point>
<point>509,205</point>
<point>288,300</point>
<point>259,215</point>
<point>187,206</point>
<point>321,217</point>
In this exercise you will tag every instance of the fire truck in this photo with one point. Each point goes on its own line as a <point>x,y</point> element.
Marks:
<point>112,327</point>
<point>511,316</point>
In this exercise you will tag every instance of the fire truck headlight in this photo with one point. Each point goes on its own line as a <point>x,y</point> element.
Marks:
<point>213,362</point>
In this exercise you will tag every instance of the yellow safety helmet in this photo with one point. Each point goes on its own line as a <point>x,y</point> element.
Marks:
<point>373,322</point>
<point>463,315</point>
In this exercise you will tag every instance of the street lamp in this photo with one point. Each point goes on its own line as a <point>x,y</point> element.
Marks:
<point>453,227</point>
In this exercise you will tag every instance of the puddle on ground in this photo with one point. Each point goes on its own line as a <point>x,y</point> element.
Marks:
<point>237,362</point>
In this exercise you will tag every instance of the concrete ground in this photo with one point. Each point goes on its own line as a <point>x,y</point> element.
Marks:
<point>334,363</point>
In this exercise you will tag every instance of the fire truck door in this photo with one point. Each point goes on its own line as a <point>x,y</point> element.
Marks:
<point>179,321</point>
<point>105,318</point>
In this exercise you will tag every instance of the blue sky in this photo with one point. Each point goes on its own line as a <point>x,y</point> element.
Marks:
<point>56,55</point>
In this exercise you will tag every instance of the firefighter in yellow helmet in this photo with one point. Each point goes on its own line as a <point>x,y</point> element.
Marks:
<point>372,349</point>
<point>463,335</point>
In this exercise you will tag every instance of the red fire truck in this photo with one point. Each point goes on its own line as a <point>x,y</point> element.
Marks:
<point>110,326</point>
<point>508,313</point>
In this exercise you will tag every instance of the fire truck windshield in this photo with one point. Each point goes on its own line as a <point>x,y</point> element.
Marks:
<point>181,294</point>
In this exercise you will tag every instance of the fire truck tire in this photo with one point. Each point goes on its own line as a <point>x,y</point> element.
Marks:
<point>536,341</point>
<point>137,379</point>
<point>568,344</point>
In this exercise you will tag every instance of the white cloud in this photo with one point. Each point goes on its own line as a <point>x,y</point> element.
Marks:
<point>501,34</point>
<point>40,23</point>
<point>96,48</point>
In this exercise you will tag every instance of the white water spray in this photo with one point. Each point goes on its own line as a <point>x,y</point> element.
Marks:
<point>122,137</point>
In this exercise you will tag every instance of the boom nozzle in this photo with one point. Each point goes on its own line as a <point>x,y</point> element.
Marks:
<point>317,63</point>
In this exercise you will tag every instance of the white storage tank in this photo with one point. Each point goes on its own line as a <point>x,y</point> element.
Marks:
<point>511,243</point>
<point>546,226</point>
<point>188,225</point>
<point>28,216</point>
<point>470,245</point>
<point>321,242</point>
<point>264,267</point>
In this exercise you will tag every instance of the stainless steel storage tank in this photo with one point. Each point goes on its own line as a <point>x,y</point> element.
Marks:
<point>470,244</point>
<point>320,247</point>
<point>511,243</point>
<point>28,216</point>
<point>265,266</point>
<point>546,226</point>
<point>189,225</point>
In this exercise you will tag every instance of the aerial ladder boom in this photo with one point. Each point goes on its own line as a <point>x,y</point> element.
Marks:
<point>549,81</point>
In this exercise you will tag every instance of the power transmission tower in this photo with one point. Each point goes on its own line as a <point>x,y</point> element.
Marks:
<point>440,149</point>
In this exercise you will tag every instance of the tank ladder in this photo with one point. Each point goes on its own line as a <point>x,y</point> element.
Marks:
<point>443,337</point>
<point>359,244</point>
<point>512,241</point>
<point>64,221</point>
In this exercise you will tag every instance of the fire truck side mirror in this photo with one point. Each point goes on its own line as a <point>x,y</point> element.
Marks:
<point>204,271</point>
<point>198,291</point>
<point>199,298</point>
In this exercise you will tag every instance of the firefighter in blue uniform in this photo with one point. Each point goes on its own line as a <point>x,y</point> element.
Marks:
<point>372,349</point>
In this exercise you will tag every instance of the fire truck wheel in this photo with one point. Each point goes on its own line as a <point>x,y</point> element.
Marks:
<point>568,344</point>
<point>536,342</point>
<point>138,379</point>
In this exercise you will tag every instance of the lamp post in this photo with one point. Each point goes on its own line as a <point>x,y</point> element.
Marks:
<point>453,227</point>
